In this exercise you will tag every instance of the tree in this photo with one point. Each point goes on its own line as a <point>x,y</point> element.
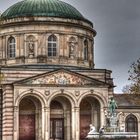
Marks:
<point>134,77</point>
<point>126,89</point>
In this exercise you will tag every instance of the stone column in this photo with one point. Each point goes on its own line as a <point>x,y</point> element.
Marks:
<point>4,47</point>
<point>61,46</point>
<point>92,115</point>
<point>95,122</point>
<point>17,46</point>
<point>43,47</point>
<point>138,130</point>
<point>43,123</point>
<point>22,45</point>
<point>65,45</point>
<point>1,48</point>
<point>102,123</point>
<point>16,123</point>
<point>68,124</point>
<point>75,123</point>
<point>47,123</point>
<point>92,49</point>
<point>80,45</point>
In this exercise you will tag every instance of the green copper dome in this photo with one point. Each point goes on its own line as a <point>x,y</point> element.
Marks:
<point>47,8</point>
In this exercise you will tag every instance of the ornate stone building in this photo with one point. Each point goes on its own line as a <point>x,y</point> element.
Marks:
<point>50,89</point>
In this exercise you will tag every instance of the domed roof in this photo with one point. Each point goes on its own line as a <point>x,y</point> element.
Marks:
<point>47,8</point>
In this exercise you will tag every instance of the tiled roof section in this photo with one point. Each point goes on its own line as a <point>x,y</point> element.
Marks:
<point>127,100</point>
<point>48,8</point>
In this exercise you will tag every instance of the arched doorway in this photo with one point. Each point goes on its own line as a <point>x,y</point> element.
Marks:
<point>60,119</point>
<point>89,114</point>
<point>29,119</point>
<point>131,123</point>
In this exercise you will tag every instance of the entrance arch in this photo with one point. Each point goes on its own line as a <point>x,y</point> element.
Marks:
<point>89,114</point>
<point>60,119</point>
<point>30,117</point>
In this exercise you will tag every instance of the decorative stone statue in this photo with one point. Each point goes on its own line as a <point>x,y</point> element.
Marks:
<point>31,48</point>
<point>92,129</point>
<point>72,50</point>
<point>112,106</point>
<point>121,123</point>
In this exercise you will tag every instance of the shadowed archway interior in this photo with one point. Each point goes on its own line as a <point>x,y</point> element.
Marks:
<point>29,119</point>
<point>89,114</point>
<point>60,119</point>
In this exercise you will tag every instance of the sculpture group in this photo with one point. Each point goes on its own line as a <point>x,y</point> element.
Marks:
<point>112,120</point>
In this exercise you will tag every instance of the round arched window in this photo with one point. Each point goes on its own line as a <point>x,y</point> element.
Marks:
<point>131,123</point>
<point>11,52</point>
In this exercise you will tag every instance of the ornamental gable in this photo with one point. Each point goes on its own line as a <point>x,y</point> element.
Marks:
<point>61,78</point>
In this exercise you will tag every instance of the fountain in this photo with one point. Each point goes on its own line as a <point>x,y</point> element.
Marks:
<point>111,130</point>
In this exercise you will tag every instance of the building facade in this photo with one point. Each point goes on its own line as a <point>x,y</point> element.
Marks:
<point>50,88</point>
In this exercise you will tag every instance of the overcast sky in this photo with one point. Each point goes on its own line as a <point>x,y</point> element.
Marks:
<point>117,43</point>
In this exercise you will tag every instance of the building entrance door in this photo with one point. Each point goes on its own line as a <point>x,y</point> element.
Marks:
<point>57,129</point>
<point>27,127</point>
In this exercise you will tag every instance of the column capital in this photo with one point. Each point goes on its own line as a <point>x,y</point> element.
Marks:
<point>77,109</point>
<point>46,109</point>
<point>15,108</point>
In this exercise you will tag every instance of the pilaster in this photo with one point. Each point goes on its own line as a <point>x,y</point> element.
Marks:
<point>22,45</point>
<point>16,118</point>
<point>75,123</point>
<point>47,123</point>
<point>4,48</point>
<point>138,130</point>
<point>102,118</point>
<point>8,116</point>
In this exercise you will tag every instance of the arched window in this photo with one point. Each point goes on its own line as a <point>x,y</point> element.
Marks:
<point>11,52</point>
<point>131,123</point>
<point>85,50</point>
<point>52,45</point>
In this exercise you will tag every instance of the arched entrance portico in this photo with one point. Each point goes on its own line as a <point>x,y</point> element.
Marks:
<point>60,119</point>
<point>89,114</point>
<point>30,118</point>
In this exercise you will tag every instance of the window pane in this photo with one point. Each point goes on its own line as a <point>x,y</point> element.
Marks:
<point>54,45</point>
<point>49,49</point>
<point>49,44</point>
<point>54,53</point>
<point>49,54</point>
<point>54,49</point>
